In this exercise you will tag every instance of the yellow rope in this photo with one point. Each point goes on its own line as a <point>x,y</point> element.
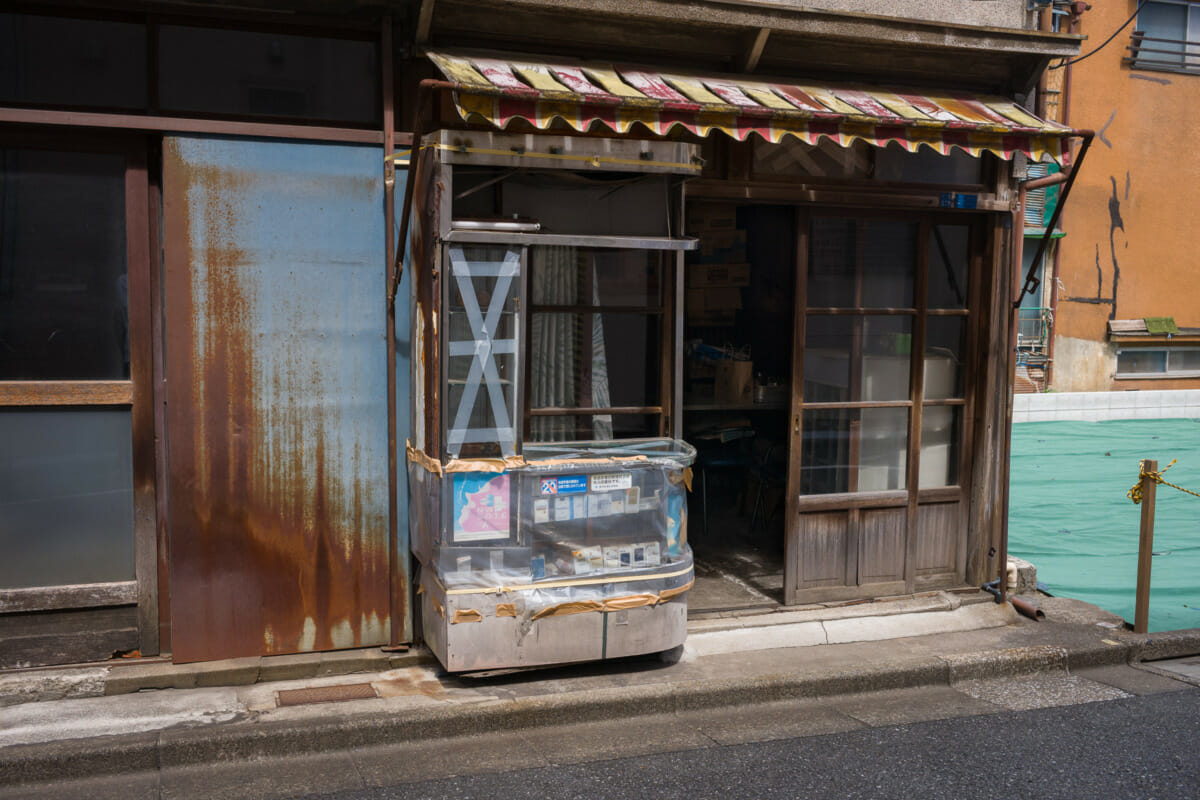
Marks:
<point>1135,494</point>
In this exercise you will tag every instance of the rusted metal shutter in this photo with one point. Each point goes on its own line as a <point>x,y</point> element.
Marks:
<point>277,397</point>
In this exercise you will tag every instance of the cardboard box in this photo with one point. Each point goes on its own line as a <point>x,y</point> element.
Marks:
<point>713,319</point>
<point>734,383</point>
<point>711,217</point>
<point>705,275</point>
<point>730,241</point>
<point>717,298</point>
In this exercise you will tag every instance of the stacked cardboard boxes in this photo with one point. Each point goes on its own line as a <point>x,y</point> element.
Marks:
<point>718,270</point>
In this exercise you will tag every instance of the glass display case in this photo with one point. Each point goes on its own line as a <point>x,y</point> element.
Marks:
<point>533,551</point>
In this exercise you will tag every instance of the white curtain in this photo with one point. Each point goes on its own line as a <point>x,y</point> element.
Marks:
<point>557,353</point>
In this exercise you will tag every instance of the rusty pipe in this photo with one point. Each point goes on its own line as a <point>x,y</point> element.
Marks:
<point>1027,609</point>
<point>1045,180</point>
<point>1031,281</point>
<point>424,91</point>
<point>1022,606</point>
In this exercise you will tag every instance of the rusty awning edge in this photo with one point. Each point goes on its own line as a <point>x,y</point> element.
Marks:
<point>500,91</point>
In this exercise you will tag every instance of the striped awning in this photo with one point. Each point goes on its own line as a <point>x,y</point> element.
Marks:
<point>500,90</point>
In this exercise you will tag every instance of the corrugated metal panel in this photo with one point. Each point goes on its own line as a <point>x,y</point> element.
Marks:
<point>277,397</point>
<point>1040,203</point>
<point>499,90</point>
<point>1035,201</point>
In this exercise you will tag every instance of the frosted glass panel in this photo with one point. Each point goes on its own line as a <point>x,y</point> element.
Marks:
<point>66,497</point>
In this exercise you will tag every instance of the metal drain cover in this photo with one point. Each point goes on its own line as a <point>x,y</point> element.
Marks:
<point>326,694</point>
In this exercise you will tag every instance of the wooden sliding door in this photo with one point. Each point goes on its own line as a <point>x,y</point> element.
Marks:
<point>881,396</point>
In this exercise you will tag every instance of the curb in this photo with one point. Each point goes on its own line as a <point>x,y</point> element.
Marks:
<point>247,739</point>
<point>91,680</point>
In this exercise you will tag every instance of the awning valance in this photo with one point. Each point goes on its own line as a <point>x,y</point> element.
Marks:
<point>498,90</point>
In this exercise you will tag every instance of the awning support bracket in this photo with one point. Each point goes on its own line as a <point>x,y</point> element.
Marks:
<point>1068,177</point>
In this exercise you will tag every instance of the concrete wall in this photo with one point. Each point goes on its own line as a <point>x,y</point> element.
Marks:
<point>1131,243</point>
<point>1098,406</point>
<point>1082,365</point>
<point>981,13</point>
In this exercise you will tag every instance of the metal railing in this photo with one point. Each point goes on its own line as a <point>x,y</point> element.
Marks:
<point>1033,331</point>
<point>1166,55</point>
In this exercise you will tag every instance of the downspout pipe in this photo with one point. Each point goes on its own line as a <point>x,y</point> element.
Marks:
<point>425,90</point>
<point>999,587</point>
<point>1064,117</point>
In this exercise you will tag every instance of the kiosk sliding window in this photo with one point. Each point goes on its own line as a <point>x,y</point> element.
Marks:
<point>598,345</point>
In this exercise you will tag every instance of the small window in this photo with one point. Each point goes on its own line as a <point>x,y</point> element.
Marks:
<point>64,306</point>
<point>1146,362</point>
<point>1167,37</point>
<point>255,74</point>
<point>55,61</point>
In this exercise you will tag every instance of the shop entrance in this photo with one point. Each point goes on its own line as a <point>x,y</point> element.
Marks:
<point>738,320</point>
<point>829,360</point>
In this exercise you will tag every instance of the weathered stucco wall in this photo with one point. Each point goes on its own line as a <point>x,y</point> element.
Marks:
<point>985,13</point>
<point>1082,365</point>
<point>1131,244</point>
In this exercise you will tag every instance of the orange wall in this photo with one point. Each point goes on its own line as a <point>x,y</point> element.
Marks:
<point>1132,208</point>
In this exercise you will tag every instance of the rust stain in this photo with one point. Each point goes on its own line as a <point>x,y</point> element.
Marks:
<point>268,552</point>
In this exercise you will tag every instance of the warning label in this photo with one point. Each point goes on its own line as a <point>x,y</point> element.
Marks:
<point>611,481</point>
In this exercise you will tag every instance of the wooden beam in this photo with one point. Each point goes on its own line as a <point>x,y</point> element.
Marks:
<point>757,42</point>
<point>66,393</point>
<point>424,21</point>
<point>83,595</point>
<point>141,122</point>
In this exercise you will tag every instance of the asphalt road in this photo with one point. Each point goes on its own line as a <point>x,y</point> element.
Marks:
<point>1136,747</point>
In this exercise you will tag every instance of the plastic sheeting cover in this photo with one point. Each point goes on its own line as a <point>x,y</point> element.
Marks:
<point>1070,517</point>
<point>581,516</point>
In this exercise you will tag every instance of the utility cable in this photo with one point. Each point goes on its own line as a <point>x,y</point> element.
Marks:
<point>1106,41</point>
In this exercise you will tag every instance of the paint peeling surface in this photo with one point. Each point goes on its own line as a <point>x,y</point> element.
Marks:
<point>277,397</point>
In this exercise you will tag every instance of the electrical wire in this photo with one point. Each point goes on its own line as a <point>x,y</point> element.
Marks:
<point>1106,41</point>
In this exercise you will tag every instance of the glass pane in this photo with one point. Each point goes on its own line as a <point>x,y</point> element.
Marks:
<point>883,449</point>
<point>895,164</point>
<point>483,342</point>
<point>72,62</point>
<point>1163,21</point>
<point>939,446</point>
<point>853,450</point>
<point>588,276</point>
<point>879,344</point>
<point>889,260</point>
<point>573,353</point>
<point>832,260</point>
<point>1132,362</point>
<point>944,346</point>
<point>218,71</point>
<point>949,262</point>
<point>825,451</point>
<point>66,497</point>
<point>64,308</point>
<point>602,427</point>
<point>1185,360</point>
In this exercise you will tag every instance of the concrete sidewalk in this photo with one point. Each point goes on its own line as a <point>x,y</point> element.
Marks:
<point>936,640</point>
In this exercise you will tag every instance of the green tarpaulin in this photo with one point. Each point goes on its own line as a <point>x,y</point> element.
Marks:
<point>1070,517</point>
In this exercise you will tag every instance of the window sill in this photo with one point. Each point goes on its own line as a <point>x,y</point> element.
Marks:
<point>1180,70</point>
<point>1156,376</point>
